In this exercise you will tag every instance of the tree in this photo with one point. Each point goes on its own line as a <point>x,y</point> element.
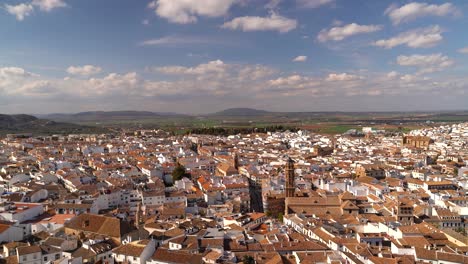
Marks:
<point>248,259</point>
<point>194,147</point>
<point>179,172</point>
<point>280,217</point>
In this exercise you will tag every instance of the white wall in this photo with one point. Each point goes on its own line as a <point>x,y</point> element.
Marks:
<point>12,234</point>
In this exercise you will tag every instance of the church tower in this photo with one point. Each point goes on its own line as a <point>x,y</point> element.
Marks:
<point>235,161</point>
<point>139,216</point>
<point>290,175</point>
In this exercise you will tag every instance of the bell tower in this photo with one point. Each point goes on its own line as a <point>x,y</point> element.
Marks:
<point>235,161</point>
<point>290,175</point>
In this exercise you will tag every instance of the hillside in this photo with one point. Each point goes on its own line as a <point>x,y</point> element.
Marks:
<point>241,112</point>
<point>30,124</point>
<point>99,116</point>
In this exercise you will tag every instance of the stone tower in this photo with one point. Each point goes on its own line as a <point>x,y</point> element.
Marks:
<point>235,161</point>
<point>139,216</point>
<point>290,175</point>
<point>405,214</point>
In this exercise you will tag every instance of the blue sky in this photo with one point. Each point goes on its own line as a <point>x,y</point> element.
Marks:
<point>198,56</point>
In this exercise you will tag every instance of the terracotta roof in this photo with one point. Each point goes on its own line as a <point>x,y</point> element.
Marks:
<point>4,227</point>
<point>98,224</point>
<point>133,249</point>
<point>180,257</point>
<point>28,250</point>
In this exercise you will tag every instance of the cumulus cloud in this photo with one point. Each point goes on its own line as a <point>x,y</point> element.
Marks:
<point>85,70</point>
<point>301,58</point>
<point>392,75</point>
<point>340,33</point>
<point>294,83</point>
<point>216,83</point>
<point>20,11</point>
<point>217,69</point>
<point>11,77</point>
<point>37,88</point>
<point>114,82</point>
<point>417,38</point>
<point>212,66</point>
<point>463,50</point>
<point>6,72</point>
<point>334,77</point>
<point>414,10</point>
<point>48,5</point>
<point>274,22</point>
<point>186,12</point>
<point>426,63</point>
<point>314,3</point>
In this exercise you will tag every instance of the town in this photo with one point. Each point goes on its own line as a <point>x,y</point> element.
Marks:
<point>147,196</point>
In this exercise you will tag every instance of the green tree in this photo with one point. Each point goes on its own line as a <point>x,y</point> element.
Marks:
<point>280,217</point>
<point>248,259</point>
<point>179,172</point>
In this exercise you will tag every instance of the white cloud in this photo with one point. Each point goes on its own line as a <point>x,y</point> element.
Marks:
<point>48,5</point>
<point>11,77</point>
<point>20,11</point>
<point>426,63</point>
<point>26,9</point>
<point>301,58</point>
<point>112,83</point>
<point>418,38</point>
<point>333,77</point>
<point>85,70</point>
<point>409,78</point>
<point>463,50</point>
<point>414,10</point>
<point>254,23</point>
<point>314,3</point>
<point>218,70</point>
<point>35,88</point>
<point>392,75</point>
<point>216,66</point>
<point>294,81</point>
<point>188,11</point>
<point>14,71</point>
<point>176,40</point>
<point>222,85</point>
<point>340,33</point>
<point>145,22</point>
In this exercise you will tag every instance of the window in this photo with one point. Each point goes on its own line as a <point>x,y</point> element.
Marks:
<point>45,258</point>
<point>57,256</point>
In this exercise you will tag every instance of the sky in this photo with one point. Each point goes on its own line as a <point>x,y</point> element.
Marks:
<point>201,56</point>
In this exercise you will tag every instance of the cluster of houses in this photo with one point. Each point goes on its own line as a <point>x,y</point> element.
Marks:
<point>281,197</point>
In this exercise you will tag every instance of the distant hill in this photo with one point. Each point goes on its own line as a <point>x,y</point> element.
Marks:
<point>99,116</point>
<point>12,121</point>
<point>30,124</point>
<point>241,112</point>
